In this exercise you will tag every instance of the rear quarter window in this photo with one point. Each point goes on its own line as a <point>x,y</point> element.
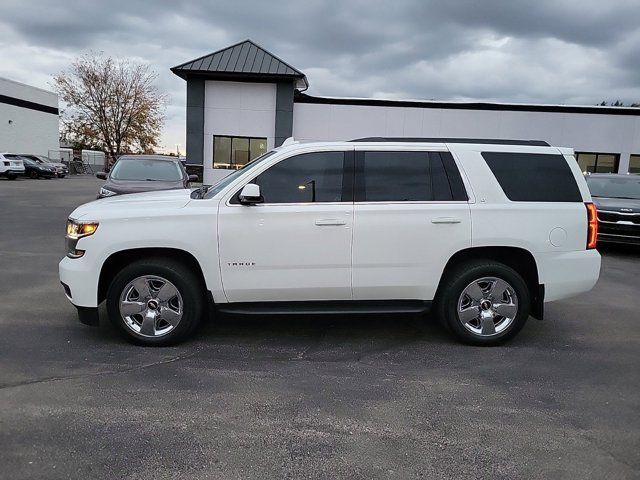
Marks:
<point>533,177</point>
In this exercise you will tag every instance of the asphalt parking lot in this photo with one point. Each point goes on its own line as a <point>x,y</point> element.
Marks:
<point>346,397</point>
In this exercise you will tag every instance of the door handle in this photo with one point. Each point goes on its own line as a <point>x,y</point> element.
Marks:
<point>445,220</point>
<point>328,222</point>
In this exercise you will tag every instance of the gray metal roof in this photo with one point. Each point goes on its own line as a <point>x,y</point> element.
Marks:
<point>240,60</point>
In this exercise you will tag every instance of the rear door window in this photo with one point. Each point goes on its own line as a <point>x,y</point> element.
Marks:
<point>533,177</point>
<point>406,176</point>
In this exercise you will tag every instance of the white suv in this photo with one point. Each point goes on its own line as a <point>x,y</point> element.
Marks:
<point>483,232</point>
<point>11,167</point>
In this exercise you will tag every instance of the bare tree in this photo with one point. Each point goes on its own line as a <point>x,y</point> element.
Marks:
<point>111,103</point>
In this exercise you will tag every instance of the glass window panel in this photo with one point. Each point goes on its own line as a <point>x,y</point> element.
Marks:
<point>257,147</point>
<point>239,152</point>
<point>606,163</point>
<point>221,152</point>
<point>634,164</point>
<point>533,177</point>
<point>587,162</point>
<point>310,177</point>
<point>396,177</point>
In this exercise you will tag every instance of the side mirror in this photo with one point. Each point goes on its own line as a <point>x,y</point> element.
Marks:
<point>193,178</point>
<point>250,194</point>
<point>101,175</point>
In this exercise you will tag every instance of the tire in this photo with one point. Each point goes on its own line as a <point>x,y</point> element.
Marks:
<point>490,289</point>
<point>158,275</point>
<point>11,176</point>
<point>34,175</point>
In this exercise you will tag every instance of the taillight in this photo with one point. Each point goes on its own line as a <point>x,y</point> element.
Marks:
<point>592,226</point>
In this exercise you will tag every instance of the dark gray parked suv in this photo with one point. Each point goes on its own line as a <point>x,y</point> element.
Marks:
<point>617,198</point>
<point>144,173</point>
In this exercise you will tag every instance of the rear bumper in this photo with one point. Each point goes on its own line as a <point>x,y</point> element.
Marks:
<point>568,273</point>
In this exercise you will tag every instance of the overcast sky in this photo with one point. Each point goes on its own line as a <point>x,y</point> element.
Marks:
<point>542,51</point>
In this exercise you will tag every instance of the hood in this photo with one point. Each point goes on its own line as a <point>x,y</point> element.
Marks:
<point>624,205</point>
<point>137,186</point>
<point>128,205</point>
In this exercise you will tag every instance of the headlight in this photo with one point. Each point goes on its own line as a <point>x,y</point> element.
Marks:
<point>106,193</point>
<point>77,229</point>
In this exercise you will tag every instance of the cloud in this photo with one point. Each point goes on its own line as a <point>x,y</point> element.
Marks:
<point>548,51</point>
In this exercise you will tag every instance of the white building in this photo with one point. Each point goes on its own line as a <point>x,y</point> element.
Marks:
<point>243,100</point>
<point>28,119</point>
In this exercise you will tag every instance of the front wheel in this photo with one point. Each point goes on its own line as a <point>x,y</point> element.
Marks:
<point>156,301</point>
<point>11,176</point>
<point>484,302</point>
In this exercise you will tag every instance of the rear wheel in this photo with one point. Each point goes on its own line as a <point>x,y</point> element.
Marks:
<point>156,301</point>
<point>11,176</point>
<point>33,174</point>
<point>484,302</point>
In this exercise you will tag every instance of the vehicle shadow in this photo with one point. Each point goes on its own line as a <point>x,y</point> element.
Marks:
<point>340,327</point>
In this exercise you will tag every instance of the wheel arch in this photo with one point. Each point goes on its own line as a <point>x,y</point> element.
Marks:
<point>117,260</point>
<point>520,259</point>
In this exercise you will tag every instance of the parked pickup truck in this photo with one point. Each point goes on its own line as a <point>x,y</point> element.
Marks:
<point>481,232</point>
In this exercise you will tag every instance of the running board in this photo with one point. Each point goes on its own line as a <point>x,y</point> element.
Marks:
<point>325,307</point>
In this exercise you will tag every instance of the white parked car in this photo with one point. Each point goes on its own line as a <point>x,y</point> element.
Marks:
<point>481,232</point>
<point>11,167</point>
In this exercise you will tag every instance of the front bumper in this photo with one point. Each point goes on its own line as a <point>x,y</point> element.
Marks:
<point>80,281</point>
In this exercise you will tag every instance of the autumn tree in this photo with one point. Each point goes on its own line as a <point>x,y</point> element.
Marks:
<point>111,103</point>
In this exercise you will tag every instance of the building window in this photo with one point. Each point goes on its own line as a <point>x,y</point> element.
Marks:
<point>598,162</point>
<point>634,164</point>
<point>235,152</point>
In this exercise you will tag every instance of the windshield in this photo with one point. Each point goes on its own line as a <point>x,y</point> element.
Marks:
<point>615,187</point>
<point>146,169</point>
<point>218,187</point>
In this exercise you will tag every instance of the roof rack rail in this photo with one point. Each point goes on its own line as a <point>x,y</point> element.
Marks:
<point>492,141</point>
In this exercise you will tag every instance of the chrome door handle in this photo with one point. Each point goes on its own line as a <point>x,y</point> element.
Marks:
<point>445,220</point>
<point>327,222</point>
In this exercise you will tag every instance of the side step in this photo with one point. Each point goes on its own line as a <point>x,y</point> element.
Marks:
<point>325,307</point>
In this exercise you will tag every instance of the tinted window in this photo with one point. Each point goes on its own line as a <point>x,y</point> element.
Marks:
<point>533,177</point>
<point>311,177</point>
<point>615,187</point>
<point>146,169</point>
<point>393,177</point>
<point>404,177</point>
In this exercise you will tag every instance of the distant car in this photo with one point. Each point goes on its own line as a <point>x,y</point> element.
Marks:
<point>617,198</point>
<point>34,169</point>
<point>10,167</point>
<point>144,173</point>
<point>61,169</point>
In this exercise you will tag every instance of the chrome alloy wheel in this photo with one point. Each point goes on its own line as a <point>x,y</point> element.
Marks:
<point>151,306</point>
<point>487,306</point>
